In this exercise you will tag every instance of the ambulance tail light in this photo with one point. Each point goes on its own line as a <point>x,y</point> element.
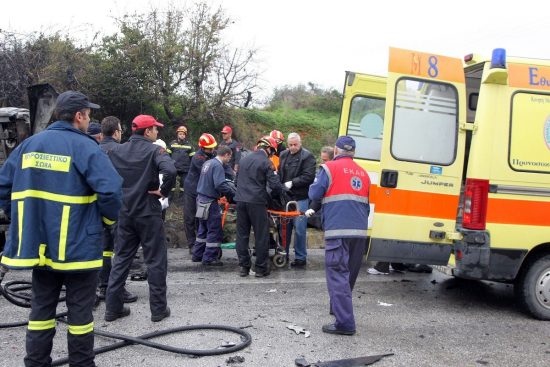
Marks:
<point>476,195</point>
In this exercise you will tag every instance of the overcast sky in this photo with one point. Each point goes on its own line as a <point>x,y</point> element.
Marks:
<point>305,40</point>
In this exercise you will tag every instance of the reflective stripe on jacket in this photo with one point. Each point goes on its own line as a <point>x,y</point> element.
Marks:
<point>58,186</point>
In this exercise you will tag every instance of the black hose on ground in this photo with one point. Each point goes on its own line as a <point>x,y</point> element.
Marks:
<point>10,292</point>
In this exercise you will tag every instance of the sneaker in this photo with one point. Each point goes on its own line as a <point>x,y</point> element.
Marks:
<point>128,297</point>
<point>112,316</point>
<point>373,271</point>
<point>161,316</point>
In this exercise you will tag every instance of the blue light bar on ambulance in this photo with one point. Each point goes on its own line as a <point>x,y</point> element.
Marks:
<point>498,60</point>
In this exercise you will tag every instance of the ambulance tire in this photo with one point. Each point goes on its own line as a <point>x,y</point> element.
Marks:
<point>533,288</point>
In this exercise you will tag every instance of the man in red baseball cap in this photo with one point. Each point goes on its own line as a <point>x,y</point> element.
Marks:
<point>235,146</point>
<point>144,122</point>
<point>140,162</point>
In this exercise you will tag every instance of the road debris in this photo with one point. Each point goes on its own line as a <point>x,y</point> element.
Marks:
<point>351,362</point>
<point>299,330</point>
<point>384,304</point>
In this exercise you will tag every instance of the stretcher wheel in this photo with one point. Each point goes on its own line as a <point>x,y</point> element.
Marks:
<point>220,253</point>
<point>279,260</point>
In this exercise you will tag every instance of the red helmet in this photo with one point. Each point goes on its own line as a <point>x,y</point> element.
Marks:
<point>207,141</point>
<point>277,135</point>
<point>181,129</point>
<point>267,142</point>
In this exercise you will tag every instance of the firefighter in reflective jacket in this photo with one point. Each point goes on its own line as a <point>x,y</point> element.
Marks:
<point>181,152</point>
<point>207,143</point>
<point>344,188</point>
<point>212,186</point>
<point>58,186</point>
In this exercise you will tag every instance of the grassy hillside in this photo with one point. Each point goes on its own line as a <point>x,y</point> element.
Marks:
<point>315,118</point>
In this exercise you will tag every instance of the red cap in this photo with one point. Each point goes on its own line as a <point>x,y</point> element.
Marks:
<point>227,129</point>
<point>144,121</point>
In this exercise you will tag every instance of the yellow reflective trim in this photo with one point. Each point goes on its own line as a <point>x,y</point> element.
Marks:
<point>108,253</point>
<point>63,232</point>
<point>77,265</point>
<point>50,162</point>
<point>169,151</point>
<point>107,221</point>
<point>65,199</point>
<point>81,329</point>
<point>191,154</point>
<point>41,325</point>
<point>20,206</point>
<point>181,146</point>
<point>41,254</point>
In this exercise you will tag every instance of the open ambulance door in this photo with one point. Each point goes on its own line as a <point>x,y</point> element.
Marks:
<point>421,161</point>
<point>362,117</point>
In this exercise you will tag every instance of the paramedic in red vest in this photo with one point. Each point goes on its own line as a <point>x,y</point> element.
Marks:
<point>343,187</point>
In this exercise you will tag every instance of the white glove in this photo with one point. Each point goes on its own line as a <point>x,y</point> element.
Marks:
<point>288,185</point>
<point>309,212</point>
<point>164,203</point>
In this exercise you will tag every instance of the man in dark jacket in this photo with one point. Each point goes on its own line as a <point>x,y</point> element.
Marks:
<point>140,162</point>
<point>297,172</point>
<point>254,175</point>
<point>58,185</point>
<point>181,152</point>
<point>227,140</point>
<point>207,143</point>
<point>111,133</point>
<point>212,186</point>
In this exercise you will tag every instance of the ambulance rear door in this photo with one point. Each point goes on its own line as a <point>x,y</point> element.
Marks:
<point>362,118</point>
<point>421,160</point>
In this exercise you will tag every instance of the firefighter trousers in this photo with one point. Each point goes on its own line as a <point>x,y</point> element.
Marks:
<point>80,297</point>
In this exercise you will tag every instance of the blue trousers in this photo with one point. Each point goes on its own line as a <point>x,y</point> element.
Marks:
<point>209,236</point>
<point>300,227</point>
<point>343,258</point>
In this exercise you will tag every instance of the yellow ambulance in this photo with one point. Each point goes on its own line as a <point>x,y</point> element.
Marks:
<point>459,156</point>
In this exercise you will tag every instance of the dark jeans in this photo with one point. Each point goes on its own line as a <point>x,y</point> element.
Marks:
<point>80,297</point>
<point>133,231</point>
<point>253,216</point>
<point>190,222</point>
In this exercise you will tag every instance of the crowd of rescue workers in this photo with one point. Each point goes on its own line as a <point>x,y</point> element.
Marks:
<point>79,220</point>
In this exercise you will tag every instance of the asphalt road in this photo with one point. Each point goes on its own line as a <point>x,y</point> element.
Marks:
<point>423,319</point>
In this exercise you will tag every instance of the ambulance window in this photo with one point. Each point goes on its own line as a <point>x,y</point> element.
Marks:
<point>366,123</point>
<point>425,122</point>
<point>530,133</point>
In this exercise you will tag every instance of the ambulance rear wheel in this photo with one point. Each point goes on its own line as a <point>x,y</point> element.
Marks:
<point>533,288</point>
<point>279,260</point>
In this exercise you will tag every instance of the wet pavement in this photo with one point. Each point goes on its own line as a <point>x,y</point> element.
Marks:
<point>424,319</point>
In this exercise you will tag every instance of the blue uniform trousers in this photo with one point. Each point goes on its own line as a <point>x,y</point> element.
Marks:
<point>80,297</point>
<point>209,236</point>
<point>343,258</point>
